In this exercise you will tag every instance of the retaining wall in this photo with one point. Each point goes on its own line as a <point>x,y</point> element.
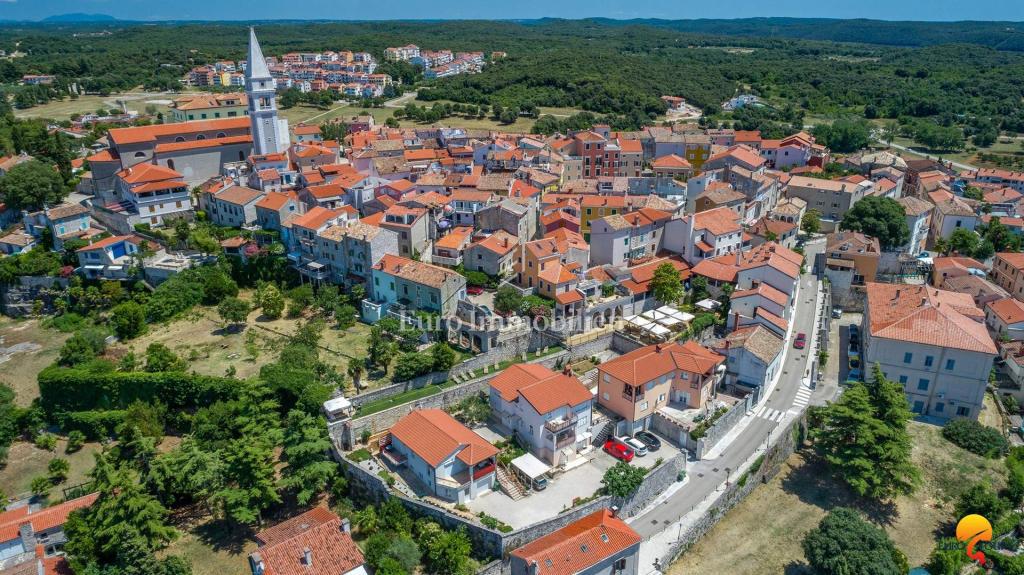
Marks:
<point>723,424</point>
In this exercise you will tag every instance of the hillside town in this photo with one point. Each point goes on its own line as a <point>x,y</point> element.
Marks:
<point>583,347</point>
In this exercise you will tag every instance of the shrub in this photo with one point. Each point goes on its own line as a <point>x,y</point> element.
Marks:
<point>58,469</point>
<point>76,439</point>
<point>94,425</point>
<point>413,364</point>
<point>47,441</point>
<point>129,320</point>
<point>360,455</point>
<point>477,278</point>
<point>40,485</point>
<point>975,437</point>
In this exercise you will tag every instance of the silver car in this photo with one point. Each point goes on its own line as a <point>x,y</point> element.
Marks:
<point>636,445</point>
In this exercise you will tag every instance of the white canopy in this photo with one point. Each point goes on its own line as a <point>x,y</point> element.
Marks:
<point>337,405</point>
<point>639,321</point>
<point>659,330</point>
<point>530,466</point>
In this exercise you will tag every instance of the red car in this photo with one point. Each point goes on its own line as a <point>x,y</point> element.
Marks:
<point>474,290</point>
<point>801,341</point>
<point>618,450</point>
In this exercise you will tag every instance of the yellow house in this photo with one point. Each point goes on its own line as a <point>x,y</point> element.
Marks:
<point>593,207</point>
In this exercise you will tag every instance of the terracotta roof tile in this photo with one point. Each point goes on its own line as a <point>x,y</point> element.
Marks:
<point>580,545</point>
<point>927,316</point>
<point>542,388</point>
<point>433,436</point>
<point>642,365</point>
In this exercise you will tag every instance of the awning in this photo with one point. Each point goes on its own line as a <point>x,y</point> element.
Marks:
<point>530,466</point>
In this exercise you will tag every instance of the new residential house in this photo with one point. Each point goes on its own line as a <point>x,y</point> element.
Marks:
<point>452,461</point>
<point>417,285</point>
<point>832,198</point>
<point>934,343</point>
<point>597,544</point>
<point>549,411</point>
<point>110,258</point>
<point>620,239</point>
<point>635,385</point>
<point>351,248</point>
<point>316,542</point>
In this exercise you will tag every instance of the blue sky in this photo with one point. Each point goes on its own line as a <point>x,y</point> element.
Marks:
<point>1012,10</point>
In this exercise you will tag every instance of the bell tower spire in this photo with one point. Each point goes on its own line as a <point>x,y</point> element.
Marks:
<point>269,134</point>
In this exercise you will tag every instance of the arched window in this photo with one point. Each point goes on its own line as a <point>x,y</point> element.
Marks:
<point>170,164</point>
<point>140,154</point>
<point>221,135</point>
<point>200,137</point>
<point>179,139</point>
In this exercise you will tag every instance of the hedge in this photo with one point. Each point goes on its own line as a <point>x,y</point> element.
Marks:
<point>68,389</point>
<point>96,425</point>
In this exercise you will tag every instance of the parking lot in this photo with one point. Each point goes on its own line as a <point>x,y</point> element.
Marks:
<point>579,482</point>
<point>839,344</point>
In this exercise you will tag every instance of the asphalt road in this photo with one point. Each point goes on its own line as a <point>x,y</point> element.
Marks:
<point>706,476</point>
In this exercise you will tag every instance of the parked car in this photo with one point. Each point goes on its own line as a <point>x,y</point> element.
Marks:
<point>801,341</point>
<point>649,440</point>
<point>474,290</point>
<point>854,363</point>
<point>854,349</point>
<point>618,450</point>
<point>540,483</point>
<point>854,375</point>
<point>636,445</point>
<point>854,331</point>
<point>837,313</point>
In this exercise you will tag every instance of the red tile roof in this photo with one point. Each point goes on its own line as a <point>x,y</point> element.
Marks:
<point>433,436</point>
<point>138,134</point>
<point>275,200</point>
<point>718,221</point>
<point>43,519</point>
<point>927,316</point>
<point>283,547</point>
<point>579,545</point>
<point>199,144</point>
<point>315,218</point>
<point>542,388</point>
<point>671,161</point>
<point>642,365</point>
<point>1009,310</point>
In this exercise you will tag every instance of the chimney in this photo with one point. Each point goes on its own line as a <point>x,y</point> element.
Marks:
<point>657,348</point>
<point>614,510</point>
<point>307,557</point>
<point>532,570</point>
<point>346,525</point>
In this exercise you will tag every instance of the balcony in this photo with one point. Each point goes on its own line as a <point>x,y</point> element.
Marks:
<point>446,261</point>
<point>483,471</point>
<point>561,424</point>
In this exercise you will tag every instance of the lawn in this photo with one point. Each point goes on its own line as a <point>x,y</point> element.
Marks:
<point>210,551</point>
<point>25,461</point>
<point>763,534</point>
<point>25,349</point>
<point>64,109</point>
<point>311,115</point>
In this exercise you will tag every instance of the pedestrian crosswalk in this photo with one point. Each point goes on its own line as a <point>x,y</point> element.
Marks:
<point>770,414</point>
<point>803,397</point>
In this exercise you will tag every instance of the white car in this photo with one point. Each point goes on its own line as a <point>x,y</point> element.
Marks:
<point>636,445</point>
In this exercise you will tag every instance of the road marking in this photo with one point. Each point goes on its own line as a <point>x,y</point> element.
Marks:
<point>771,414</point>
<point>803,397</point>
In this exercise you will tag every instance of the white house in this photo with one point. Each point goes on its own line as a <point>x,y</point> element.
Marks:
<point>753,356</point>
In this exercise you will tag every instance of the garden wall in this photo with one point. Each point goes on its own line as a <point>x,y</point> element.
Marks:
<point>717,431</point>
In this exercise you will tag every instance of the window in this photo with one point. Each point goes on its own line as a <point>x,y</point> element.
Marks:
<point>605,396</point>
<point>140,154</point>
<point>950,363</point>
<point>963,411</point>
<point>903,379</point>
<point>940,407</point>
<point>922,384</point>
<point>918,407</point>
<point>908,357</point>
<point>644,405</point>
<point>928,360</point>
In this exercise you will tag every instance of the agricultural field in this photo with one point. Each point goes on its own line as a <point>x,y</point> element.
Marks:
<point>793,503</point>
<point>25,462</point>
<point>64,109</point>
<point>25,349</point>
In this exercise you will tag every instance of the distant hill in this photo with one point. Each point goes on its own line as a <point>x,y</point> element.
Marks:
<point>79,17</point>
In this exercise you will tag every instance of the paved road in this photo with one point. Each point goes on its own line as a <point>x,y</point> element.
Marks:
<point>922,154</point>
<point>401,101</point>
<point>706,476</point>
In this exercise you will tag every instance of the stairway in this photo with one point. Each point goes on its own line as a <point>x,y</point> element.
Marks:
<point>606,431</point>
<point>509,484</point>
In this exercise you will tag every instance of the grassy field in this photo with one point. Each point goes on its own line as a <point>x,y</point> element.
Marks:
<point>763,534</point>
<point>210,550</point>
<point>25,461</point>
<point>19,369</point>
<point>64,109</point>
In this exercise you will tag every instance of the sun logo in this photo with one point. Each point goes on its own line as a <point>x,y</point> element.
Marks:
<point>972,529</point>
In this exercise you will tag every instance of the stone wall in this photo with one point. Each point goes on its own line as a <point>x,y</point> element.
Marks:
<point>592,347</point>
<point>784,445</point>
<point>18,299</point>
<point>400,387</point>
<point>624,344</point>
<point>657,481</point>
<point>723,424</point>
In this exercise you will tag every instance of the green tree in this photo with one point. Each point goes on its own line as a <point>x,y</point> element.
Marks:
<point>81,347</point>
<point>443,356</point>
<point>271,301</point>
<point>666,285</point>
<point>366,520</point>
<point>186,474</point>
<point>507,300</point>
<point>844,135</point>
<point>844,544</point>
<point>129,319</point>
<point>160,358</point>
<point>622,479</point>
<point>983,500</point>
<point>879,217</point>
<point>380,350</point>
<point>948,558</point>
<point>964,242</point>
<point>448,553</point>
<point>355,370</point>
<point>394,517</point>
<point>869,454</point>
<point>345,315</point>
<point>413,364</point>
<point>307,469</point>
<point>233,311</point>
<point>32,185</point>
<point>810,223</point>
<point>58,469</point>
<point>203,242</point>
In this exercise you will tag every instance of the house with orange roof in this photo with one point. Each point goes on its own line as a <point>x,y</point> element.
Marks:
<point>703,235</point>
<point>597,544</point>
<point>466,202</point>
<point>449,249</point>
<point>768,263</point>
<point>276,210</point>
<point>636,385</point>
<point>316,542</point>
<point>413,284</point>
<point>719,194</point>
<point>628,238</point>
<point>451,460</point>
<point>754,356</point>
<point>950,214</point>
<point>413,226</point>
<point>832,198</point>
<point>551,264</point>
<point>305,230</point>
<point>944,268</point>
<point>1008,273</point>
<point>307,156</point>
<point>144,194</point>
<point>138,145</point>
<point>1005,317</point>
<point>493,255</point>
<point>770,229</point>
<point>233,206</point>
<point>672,166</point>
<point>849,261</point>
<point>934,343</point>
<point>30,535</point>
<point>307,133</point>
<point>112,257</point>
<point>549,411</point>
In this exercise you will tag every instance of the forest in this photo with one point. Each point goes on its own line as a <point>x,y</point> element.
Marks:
<point>613,68</point>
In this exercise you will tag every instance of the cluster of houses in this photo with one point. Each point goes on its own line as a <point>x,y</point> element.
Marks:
<point>345,72</point>
<point>439,63</point>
